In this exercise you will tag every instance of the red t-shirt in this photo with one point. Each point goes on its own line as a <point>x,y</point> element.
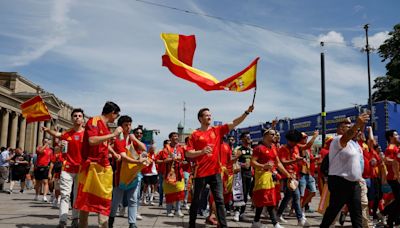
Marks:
<point>186,167</point>
<point>166,153</point>
<point>286,153</point>
<point>97,153</point>
<point>207,165</point>
<point>43,159</point>
<point>392,151</point>
<point>119,147</point>
<point>226,156</point>
<point>57,158</point>
<point>160,156</point>
<point>265,154</point>
<point>375,167</point>
<point>73,157</point>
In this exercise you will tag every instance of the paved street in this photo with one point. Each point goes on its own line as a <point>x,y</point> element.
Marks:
<point>19,210</point>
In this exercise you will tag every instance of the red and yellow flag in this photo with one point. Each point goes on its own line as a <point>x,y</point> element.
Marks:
<point>35,110</point>
<point>179,57</point>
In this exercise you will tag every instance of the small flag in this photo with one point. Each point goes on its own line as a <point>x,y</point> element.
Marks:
<point>35,110</point>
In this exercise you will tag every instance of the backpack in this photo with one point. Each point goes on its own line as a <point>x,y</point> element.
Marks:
<point>325,166</point>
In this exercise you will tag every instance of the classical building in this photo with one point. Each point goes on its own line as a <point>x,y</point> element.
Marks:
<point>14,132</point>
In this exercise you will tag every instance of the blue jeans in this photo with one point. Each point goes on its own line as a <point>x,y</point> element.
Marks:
<point>177,207</point>
<point>295,202</point>
<point>160,188</point>
<point>132,194</point>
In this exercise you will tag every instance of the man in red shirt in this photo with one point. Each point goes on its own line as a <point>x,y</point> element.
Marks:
<point>289,155</point>
<point>205,146</point>
<point>392,157</point>
<point>95,193</point>
<point>123,147</point>
<point>42,168</point>
<point>71,150</point>
<point>161,172</point>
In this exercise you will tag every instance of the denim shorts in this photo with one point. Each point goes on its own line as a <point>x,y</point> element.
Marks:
<point>306,181</point>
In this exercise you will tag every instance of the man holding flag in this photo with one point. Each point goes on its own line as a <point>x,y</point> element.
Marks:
<point>205,146</point>
<point>95,176</point>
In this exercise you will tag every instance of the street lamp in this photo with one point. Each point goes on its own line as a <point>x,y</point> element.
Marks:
<point>367,49</point>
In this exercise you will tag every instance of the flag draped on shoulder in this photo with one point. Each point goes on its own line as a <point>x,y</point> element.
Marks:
<point>178,59</point>
<point>35,110</point>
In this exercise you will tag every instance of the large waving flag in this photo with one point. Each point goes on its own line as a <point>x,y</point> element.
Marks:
<point>35,110</point>
<point>179,57</point>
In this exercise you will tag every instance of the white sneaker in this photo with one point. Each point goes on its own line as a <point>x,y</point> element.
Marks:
<point>170,214</point>
<point>187,207</point>
<point>236,216</point>
<point>303,222</point>
<point>180,214</point>
<point>36,198</point>
<point>278,226</point>
<point>257,225</point>
<point>139,217</point>
<point>45,199</point>
<point>281,219</point>
<point>144,201</point>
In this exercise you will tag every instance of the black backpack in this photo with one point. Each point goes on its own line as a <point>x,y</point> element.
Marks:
<point>325,166</point>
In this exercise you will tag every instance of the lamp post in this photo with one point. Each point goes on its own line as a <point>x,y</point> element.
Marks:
<point>323,113</point>
<point>367,49</point>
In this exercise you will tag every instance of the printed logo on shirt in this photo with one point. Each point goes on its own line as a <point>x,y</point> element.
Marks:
<point>77,137</point>
<point>69,138</point>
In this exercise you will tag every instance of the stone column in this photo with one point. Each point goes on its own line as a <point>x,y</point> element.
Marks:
<point>31,137</point>
<point>14,130</point>
<point>4,127</point>
<point>22,135</point>
<point>48,125</point>
<point>40,134</point>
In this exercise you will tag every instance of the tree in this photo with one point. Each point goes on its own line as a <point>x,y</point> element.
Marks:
<point>388,86</point>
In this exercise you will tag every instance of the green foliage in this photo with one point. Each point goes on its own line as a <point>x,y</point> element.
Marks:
<point>388,87</point>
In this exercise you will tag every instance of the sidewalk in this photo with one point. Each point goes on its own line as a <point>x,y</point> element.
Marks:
<point>19,210</point>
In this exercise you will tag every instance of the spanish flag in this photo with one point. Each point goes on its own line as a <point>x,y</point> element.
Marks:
<point>179,57</point>
<point>35,110</point>
<point>264,189</point>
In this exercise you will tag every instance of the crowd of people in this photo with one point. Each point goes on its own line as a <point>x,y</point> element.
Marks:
<point>90,168</point>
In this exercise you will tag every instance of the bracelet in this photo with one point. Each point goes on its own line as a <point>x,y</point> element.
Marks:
<point>246,112</point>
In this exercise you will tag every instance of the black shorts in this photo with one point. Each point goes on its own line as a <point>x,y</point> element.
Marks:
<point>149,180</point>
<point>18,175</point>
<point>42,173</point>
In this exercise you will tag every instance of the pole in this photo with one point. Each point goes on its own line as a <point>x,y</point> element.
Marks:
<point>323,113</point>
<point>367,49</point>
<point>254,95</point>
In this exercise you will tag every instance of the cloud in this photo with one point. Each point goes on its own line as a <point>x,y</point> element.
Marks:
<point>374,41</point>
<point>46,39</point>
<point>331,37</point>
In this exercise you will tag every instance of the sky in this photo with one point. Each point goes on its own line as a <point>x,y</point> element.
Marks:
<point>89,52</point>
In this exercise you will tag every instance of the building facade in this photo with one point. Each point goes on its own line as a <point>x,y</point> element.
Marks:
<point>14,132</point>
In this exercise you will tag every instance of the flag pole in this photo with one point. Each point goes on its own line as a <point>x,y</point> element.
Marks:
<point>254,95</point>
